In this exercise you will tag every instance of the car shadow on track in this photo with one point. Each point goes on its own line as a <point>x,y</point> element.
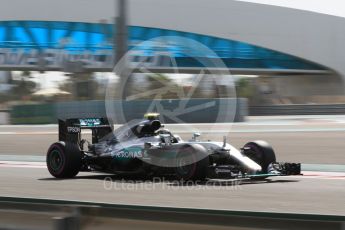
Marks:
<point>171,181</point>
<point>230,182</point>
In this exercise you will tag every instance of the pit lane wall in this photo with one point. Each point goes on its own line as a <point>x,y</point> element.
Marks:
<point>186,111</point>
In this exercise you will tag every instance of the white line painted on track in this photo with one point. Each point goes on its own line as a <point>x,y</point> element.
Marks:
<point>7,133</point>
<point>28,133</point>
<point>19,164</point>
<point>22,163</point>
<point>317,173</point>
<point>22,166</point>
<point>29,126</point>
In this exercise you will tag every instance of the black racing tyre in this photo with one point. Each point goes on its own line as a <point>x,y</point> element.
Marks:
<point>64,160</point>
<point>262,153</point>
<point>192,163</point>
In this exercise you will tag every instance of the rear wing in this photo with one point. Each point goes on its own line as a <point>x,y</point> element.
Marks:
<point>70,129</point>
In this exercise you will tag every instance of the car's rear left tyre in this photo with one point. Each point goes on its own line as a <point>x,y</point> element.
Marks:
<point>64,160</point>
<point>191,163</point>
<point>262,153</point>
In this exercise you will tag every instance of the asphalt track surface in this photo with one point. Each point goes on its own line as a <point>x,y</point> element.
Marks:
<point>314,193</point>
<point>307,140</point>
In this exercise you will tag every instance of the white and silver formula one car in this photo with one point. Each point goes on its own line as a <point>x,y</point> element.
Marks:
<point>145,148</point>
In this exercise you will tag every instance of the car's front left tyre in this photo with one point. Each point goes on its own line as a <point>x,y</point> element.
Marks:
<point>64,160</point>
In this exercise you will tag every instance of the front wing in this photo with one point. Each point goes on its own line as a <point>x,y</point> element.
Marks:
<point>275,169</point>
